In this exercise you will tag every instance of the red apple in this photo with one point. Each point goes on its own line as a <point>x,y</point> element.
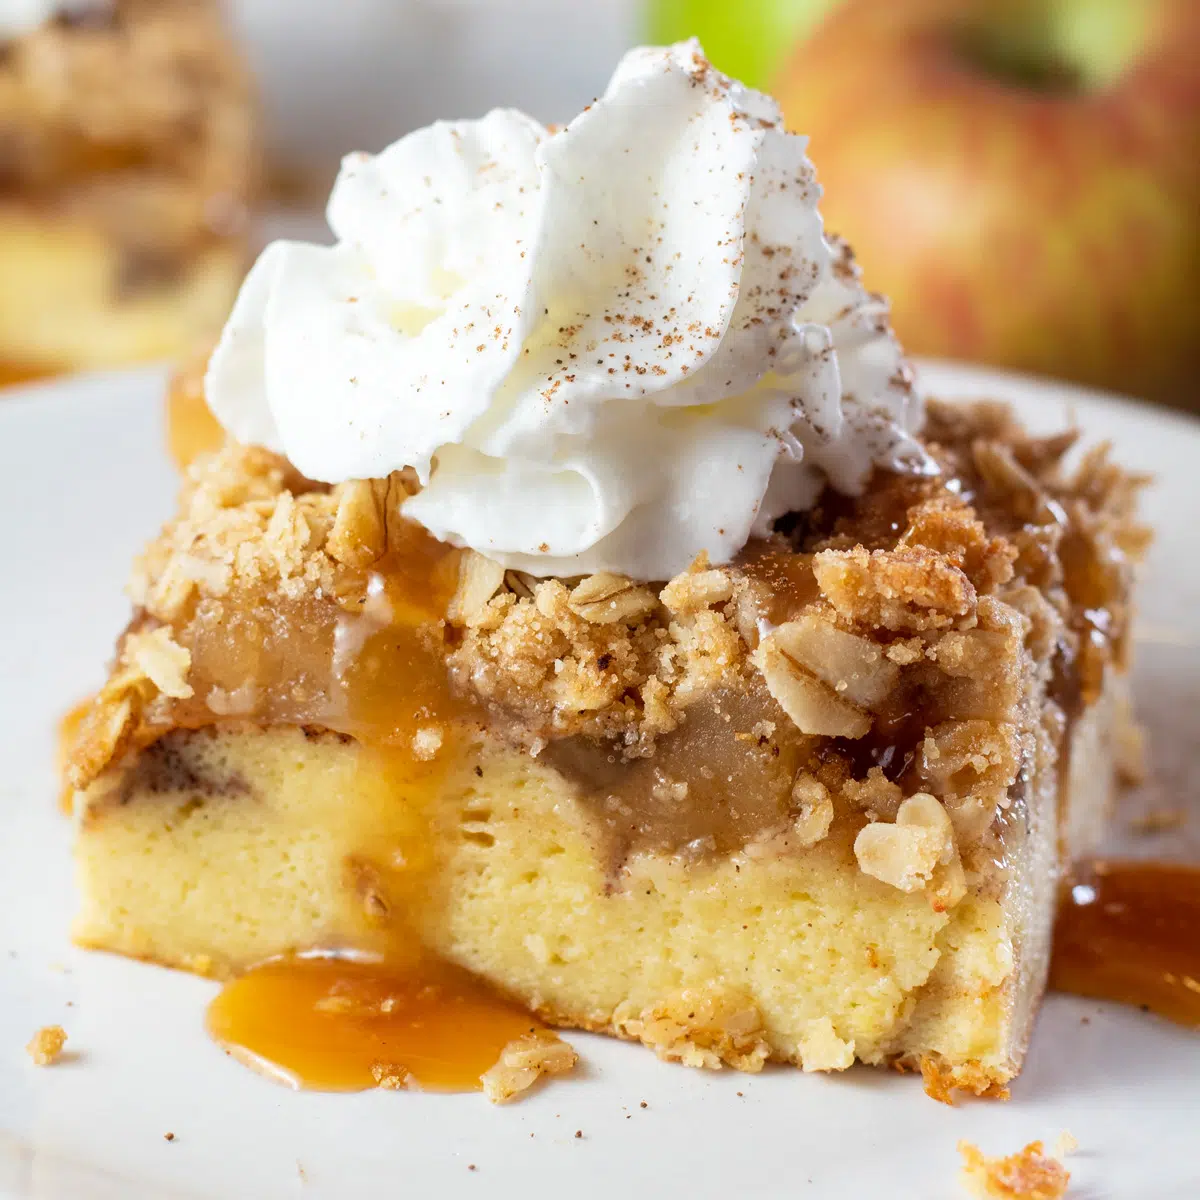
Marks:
<point>1021,177</point>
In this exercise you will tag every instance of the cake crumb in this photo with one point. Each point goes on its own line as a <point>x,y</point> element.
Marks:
<point>168,1137</point>
<point>523,1061</point>
<point>46,1046</point>
<point>821,1049</point>
<point>391,1077</point>
<point>700,1029</point>
<point>426,743</point>
<point>1027,1175</point>
<point>1066,1143</point>
<point>942,1080</point>
<point>579,1133</point>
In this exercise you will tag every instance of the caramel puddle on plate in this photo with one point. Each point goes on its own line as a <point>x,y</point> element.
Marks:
<point>341,1025</point>
<point>1130,932</point>
<point>14,373</point>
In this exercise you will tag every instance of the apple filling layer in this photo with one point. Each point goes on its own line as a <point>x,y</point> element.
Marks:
<point>803,807</point>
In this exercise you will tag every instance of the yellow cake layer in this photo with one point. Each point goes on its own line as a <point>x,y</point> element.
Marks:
<point>216,849</point>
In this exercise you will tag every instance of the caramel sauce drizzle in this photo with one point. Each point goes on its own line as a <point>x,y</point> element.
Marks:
<point>339,1024</point>
<point>371,666</point>
<point>788,578</point>
<point>192,430</point>
<point>1130,932</point>
<point>405,1018</point>
<point>14,373</point>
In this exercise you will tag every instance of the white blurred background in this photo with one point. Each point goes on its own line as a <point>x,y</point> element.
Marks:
<point>355,74</point>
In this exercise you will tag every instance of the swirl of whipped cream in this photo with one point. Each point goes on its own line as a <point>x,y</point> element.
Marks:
<point>608,347</point>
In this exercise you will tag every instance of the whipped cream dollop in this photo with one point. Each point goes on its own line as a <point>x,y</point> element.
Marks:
<point>609,346</point>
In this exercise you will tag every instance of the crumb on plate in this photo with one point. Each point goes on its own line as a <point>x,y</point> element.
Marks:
<point>1027,1175</point>
<point>1066,1143</point>
<point>523,1061</point>
<point>46,1046</point>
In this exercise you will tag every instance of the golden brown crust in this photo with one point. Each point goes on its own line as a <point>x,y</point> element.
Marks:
<point>907,590</point>
<point>724,1028</point>
<point>246,518</point>
<point>943,1079</point>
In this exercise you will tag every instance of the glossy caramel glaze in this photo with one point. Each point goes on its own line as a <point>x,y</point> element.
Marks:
<point>13,373</point>
<point>789,584</point>
<point>335,1024</point>
<point>370,665</point>
<point>192,429</point>
<point>1130,932</point>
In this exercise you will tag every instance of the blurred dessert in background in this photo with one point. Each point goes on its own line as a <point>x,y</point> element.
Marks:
<point>128,160</point>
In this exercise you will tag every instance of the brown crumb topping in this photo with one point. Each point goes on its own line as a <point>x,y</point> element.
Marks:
<point>1028,1174</point>
<point>601,656</point>
<point>46,1046</point>
<point>700,1029</point>
<point>890,660</point>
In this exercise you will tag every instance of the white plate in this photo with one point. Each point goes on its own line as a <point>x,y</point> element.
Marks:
<point>83,481</point>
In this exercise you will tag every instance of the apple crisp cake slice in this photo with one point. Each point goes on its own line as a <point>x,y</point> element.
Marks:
<point>811,806</point>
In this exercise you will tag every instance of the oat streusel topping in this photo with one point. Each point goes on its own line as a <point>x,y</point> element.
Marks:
<point>601,656</point>
<point>894,661</point>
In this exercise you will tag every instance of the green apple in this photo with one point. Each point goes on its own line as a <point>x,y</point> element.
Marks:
<point>746,40</point>
<point>1021,177</point>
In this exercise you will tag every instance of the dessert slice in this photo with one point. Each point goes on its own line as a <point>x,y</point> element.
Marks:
<point>127,162</point>
<point>637,654</point>
<point>811,806</point>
